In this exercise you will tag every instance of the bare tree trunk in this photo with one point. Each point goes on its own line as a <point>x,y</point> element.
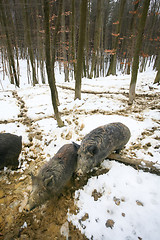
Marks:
<point>73,35</point>
<point>64,52</point>
<point>132,31</point>
<point>157,79</point>
<point>137,50</point>
<point>112,66</point>
<point>157,67</point>
<point>40,48</point>
<point>9,47</point>
<point>54,46</point>
<point>87,52</point>
<point>10,71</point>
<point>12,26</point>
<point>30,50</point>
<point>157,62</point>
<point>97,34</point>
<point>81,43</point>
<point>49,64</point>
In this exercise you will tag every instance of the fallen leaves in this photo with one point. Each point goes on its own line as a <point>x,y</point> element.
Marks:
<point>110,223</point>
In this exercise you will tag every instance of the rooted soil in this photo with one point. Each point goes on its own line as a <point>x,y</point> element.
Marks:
<point>48,221</point>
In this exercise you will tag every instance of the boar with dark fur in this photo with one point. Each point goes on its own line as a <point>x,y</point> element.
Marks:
<point>10,148</point>
<point>100,143</point>
<point>53,176</point>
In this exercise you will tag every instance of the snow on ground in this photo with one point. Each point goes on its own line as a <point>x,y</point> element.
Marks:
<point>127,198</point>
<point>123,203</point>
<point>9,104</point>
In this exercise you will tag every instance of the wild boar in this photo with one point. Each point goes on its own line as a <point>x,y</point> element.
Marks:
<point>10,148</point>
<point>99,143</point>
<point>53,176</point>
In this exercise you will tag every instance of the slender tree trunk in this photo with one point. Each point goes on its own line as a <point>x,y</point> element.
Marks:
<point>41,52</point>
<point>137,50</point>
<point>56,32</point>
<point>15,35</point>
<point>105,31</point>
<point>132,31</point>
<point>73,36</point>
<point>10,71</point>
<point>9,46</point>
<point>64,52</point>
<point>112,66</point>
<point>87,39</point>
<point>54,42</point>
<point>81,43</point>
<point>97,35</point>
<point>29,43</point>
<point>102,55</point>
<point>157,79</point>
<point>49,65</point>
<point>157,62</point>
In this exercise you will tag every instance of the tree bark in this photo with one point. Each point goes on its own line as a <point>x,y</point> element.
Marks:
<point>9,46</point>
<point>81,43</point>
<point>64,52</point>
<point>157,79</point>
<point>73,36</point>
<point>29,43</point>
<point>87,40</point>
<point>56,31</point>
<point>137,50</point>
<point>49,65</point>
<point>132,31</point>
<point>98,26</point>
<point>157,62</point>
<point>112,66</point>
<point>54,46</point>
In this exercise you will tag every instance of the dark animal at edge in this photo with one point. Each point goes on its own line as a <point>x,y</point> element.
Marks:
<point>10,148</point>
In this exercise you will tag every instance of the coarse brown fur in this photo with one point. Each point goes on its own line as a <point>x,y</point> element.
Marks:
<point>99,143</point>
<point>53,176</point>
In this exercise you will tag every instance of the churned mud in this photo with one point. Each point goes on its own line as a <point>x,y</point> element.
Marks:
<point>50,220</point>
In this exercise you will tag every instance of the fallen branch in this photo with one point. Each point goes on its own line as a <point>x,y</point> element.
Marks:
<point>121,91</point>
<point>90,91</point>
<point>147,166</point>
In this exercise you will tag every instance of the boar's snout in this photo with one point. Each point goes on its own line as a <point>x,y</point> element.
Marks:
<point>26,208</point>
<point>79,172</point>
<point>29,207</point>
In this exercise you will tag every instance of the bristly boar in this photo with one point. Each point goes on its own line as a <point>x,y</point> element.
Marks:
<point>53,176</point>
<point>100,143</point>
<point>10,148</point>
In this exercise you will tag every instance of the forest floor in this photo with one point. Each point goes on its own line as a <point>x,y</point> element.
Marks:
<point>41,139</point>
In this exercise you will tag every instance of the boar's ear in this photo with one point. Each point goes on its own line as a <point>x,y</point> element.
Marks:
<point>92,150</point>
<point>33,177</point>
<point>77,146</point>
<point>47,181</point>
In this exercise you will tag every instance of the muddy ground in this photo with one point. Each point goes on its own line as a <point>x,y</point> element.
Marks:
<point>48,221</point>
